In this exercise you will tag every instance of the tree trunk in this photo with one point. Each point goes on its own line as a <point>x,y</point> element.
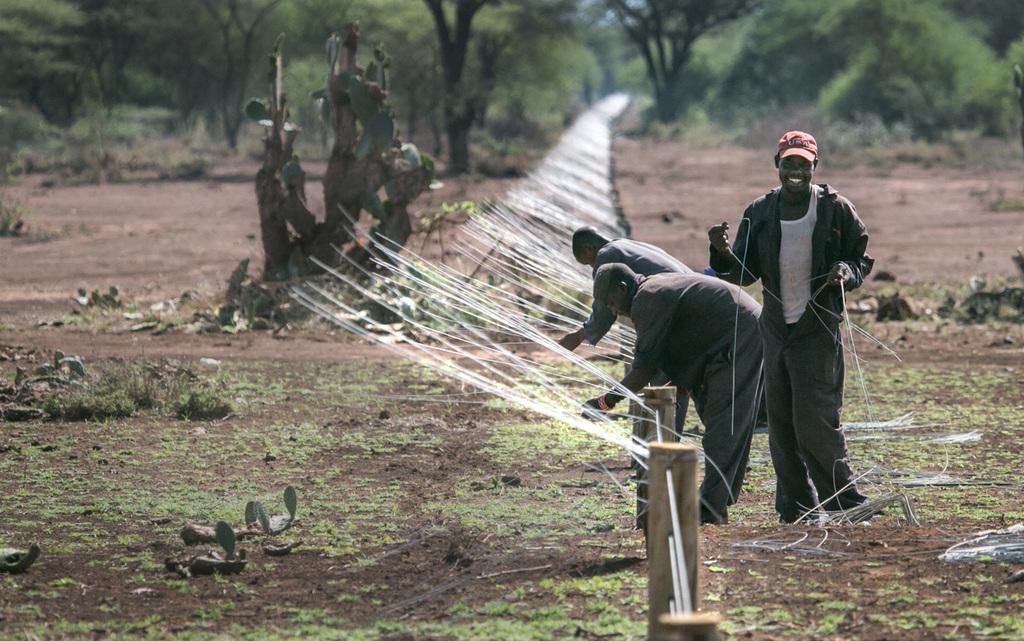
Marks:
<point>277,246</point>
<point>458,145</point>
<point>396,227</point>
<point>1018,82</point>
<point>413,116</point>
<point>459,112</point>
<point>666,104</point>
<point>435,131</point>
<point>231,132</point>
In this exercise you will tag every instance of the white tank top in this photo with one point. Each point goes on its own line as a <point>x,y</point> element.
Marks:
<point>795,261</point>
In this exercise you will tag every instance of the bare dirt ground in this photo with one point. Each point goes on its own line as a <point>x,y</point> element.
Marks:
<point>440,520</point>
<point>153,240</point>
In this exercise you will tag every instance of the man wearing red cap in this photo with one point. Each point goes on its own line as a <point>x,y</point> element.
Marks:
<point>806,244</point>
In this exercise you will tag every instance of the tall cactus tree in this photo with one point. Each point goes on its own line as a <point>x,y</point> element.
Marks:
<point>366,156</point>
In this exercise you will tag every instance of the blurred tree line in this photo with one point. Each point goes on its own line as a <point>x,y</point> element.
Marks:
<point>516,69</point>
<point>507,71</point>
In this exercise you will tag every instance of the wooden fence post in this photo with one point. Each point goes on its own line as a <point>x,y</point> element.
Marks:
<point>697,626</point>
<point>661,399</point>
<point>673,463</point>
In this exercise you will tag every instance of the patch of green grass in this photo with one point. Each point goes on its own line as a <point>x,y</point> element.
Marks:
<point>1003,203</point>
<point>844,606</point>
<point>547,511</point>
<point>829,624</point>
<point>548,442</point>
<point>213,613</point>
<point>145,389</point>
<point>406,441</point>
<point>344,512</point>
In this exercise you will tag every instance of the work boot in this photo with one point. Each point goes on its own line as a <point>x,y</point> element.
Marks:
<point>848,499</point>
<point>709,516</point>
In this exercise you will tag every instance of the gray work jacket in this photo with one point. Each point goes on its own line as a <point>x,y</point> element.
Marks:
<point>642,258</point>
<point>682,321</point>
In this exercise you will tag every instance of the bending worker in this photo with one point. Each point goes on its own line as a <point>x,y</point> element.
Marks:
<point>591,248</point>
<point>806,244</point>
<point>702,333</point>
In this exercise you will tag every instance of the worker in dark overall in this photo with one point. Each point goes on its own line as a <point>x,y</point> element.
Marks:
<point>702,332</point>
<point>807,245</point>
<point>593,249</point>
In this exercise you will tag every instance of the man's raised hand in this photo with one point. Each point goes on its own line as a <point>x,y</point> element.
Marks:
<point>840,274</point>
<point>591,408</point>
<point>572,340</point>
<point>719,238</point>
<point>595,407</point>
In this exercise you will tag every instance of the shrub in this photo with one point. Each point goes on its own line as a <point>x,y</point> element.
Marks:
<point>866,130</point>
<point>12,218</point>
<point>913,63</point>
<point>203,404</point>
<point>128,387</point>
<point>920,65</point>
<point>137,384</point>
<point>87,404</point>
<point>19,127</point>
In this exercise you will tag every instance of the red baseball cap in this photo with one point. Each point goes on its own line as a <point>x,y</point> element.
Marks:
<point>798,143</point>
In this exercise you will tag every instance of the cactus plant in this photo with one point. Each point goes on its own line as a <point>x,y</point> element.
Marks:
<point>63,368</point>
<point>72,365</point>
<point>226,538</point>
<point>282,549</point>
<point>291,500</point>
<point>14,561</point>
<point>250,514</point>
<point>262,518</point>
<point>107,300</point>
<point>366,156</point>
<point>274,525</point>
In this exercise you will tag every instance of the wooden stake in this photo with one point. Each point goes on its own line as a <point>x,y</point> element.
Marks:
<point>697,626</point>
<point>639,473</point>
<point>682,461</point>
<point>663,400</point>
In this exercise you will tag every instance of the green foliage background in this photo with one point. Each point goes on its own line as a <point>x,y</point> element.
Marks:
<point>912,68</point>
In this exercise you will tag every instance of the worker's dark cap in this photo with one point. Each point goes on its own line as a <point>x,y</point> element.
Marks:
<point>610,275</point>
<point>587,236</point>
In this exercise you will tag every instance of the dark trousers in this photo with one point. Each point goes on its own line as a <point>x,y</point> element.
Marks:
<point>804,386</point>
<point>728,410</point>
